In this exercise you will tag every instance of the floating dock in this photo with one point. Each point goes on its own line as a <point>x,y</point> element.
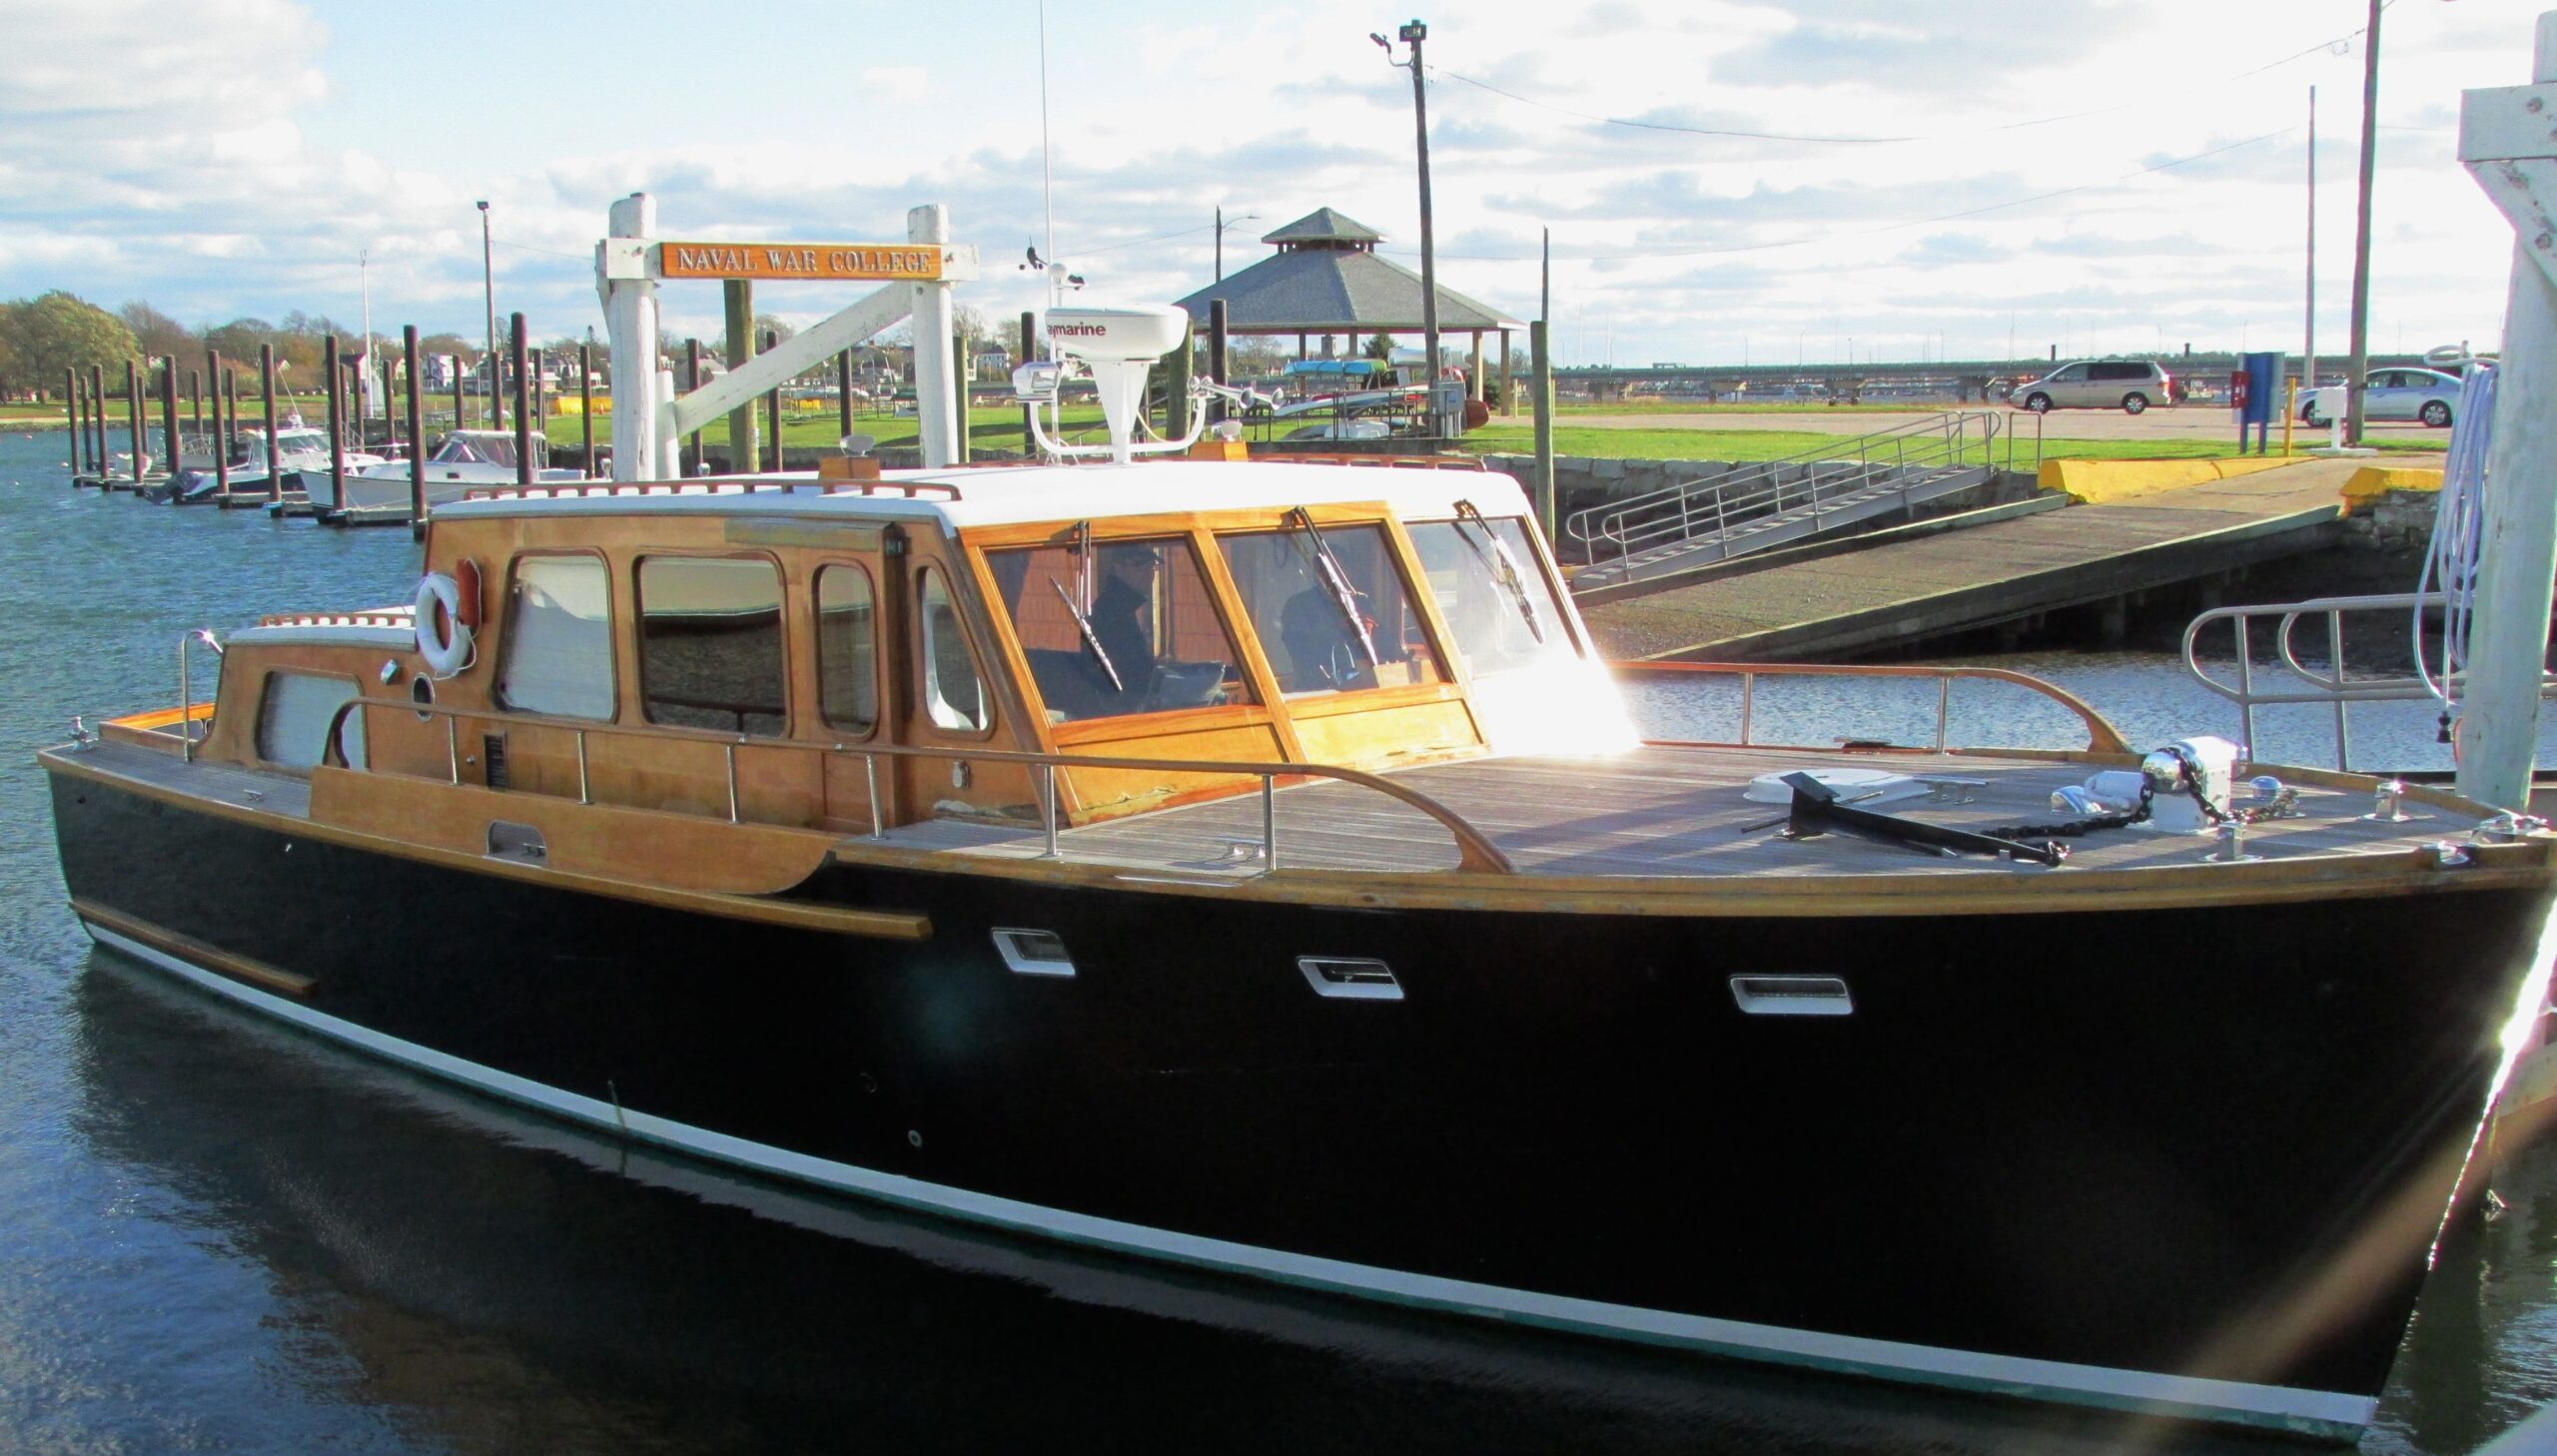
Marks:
<point>1912,591</point>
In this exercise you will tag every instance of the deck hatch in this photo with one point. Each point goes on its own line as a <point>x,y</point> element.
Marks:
<point>1792,996</point>
<point>1349,979</point>
<point>1033,952</point>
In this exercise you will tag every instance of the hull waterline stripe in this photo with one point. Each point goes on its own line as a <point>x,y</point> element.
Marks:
<point>2325,1414</point>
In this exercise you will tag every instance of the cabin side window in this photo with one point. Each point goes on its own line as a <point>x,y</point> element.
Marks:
<point>847,649</point>
<point>558,657</point>
<point>1331,608</point>
<point>952,694</point>
<point>1499,609</point>
<point>294,716</point>
<point>710,644</point>
<point>1130,629</point>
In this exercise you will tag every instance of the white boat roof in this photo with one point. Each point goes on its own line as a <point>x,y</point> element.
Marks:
<point>1008,496</point>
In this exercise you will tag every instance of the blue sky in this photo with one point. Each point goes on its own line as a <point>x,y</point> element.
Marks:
<point>2083,174</point>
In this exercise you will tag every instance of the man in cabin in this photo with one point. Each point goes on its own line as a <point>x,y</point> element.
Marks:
<point>1123,613</point>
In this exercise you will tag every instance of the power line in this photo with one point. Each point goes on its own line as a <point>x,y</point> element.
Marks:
<point>2328,45</point>
<point>1888,226</point>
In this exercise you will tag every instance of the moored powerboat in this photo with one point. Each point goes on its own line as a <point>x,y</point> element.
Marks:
<point>1252,865</point>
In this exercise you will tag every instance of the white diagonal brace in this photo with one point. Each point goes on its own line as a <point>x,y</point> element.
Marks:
<point>787,361</point>
<point>2508,141</point>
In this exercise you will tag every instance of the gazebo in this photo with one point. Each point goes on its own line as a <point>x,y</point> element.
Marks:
<point>1326,279</point>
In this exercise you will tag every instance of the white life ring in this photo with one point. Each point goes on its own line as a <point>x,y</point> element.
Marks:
<point>444,640</point>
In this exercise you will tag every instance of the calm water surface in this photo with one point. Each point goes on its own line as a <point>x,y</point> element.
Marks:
<point>223,1238</point>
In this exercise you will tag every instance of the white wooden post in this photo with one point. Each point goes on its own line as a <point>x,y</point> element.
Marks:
<point>2509,140</point>
<point>631,317</point>
<point>936,424</point>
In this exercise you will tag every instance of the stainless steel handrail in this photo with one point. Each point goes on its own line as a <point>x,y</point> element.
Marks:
<point>1475,850</point>
<point>2335,685</point>
<point>1828,472</point>
<point>2102,735</point>
<point>186,689</point>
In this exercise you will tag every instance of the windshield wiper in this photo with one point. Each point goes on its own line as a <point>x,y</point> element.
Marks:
<point>1091,638</point>
<point>1497,559</point>
<point>1343,595</point>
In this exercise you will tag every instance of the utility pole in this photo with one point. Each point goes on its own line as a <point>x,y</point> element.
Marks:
<point>1412,33</point>
<point>489,289</point>
<point>2362,230</point>
<point>2309,344</point>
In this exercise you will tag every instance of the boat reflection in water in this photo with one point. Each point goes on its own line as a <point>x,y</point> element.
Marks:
<point>543,1289</point>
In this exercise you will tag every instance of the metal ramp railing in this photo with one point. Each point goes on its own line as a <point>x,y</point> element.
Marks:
<point>1751,505</point>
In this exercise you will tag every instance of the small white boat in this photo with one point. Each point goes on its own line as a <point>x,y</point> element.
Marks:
<point>464,459</point>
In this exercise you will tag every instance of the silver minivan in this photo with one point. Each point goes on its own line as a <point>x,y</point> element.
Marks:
<point>2130,385</point>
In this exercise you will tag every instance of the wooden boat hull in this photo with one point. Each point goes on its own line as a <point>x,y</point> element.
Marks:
<point>2185,1160</point>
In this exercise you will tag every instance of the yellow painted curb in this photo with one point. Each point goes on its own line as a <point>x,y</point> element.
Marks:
<point>2095,482</point>
<point>2372,481</point>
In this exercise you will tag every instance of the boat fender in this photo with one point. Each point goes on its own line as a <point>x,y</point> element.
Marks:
<point>443,637</point>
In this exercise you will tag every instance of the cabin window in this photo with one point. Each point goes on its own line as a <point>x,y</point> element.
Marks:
<point>1499,609</point>
<point>1331,609</point>
<point>293,714</point>
<point>710,644</point>
<point>952,694</point>
<point>558,638</point>
<point>1133,631</point>
<point>847,649</point>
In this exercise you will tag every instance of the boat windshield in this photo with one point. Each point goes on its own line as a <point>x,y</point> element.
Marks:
<point>1331,609</point>
<point>1117,627</point>
<point>1499,609</point>
<point>477,447</point>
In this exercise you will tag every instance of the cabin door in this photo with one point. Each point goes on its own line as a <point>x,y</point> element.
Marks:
<point>946,698</point>
<point>853,626</point>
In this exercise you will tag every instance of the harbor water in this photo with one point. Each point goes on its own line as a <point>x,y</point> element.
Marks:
<point>217,1235</point>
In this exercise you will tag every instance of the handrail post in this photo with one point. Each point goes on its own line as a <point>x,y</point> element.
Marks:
<point>1943,707</point>
<point>870,774</point>
<point>2336,663</point>
<point>2245,683</point>
<point>729,751</point>
<point>1748,695</point>
<point>1048,806</point>
<point>1268,823</point>
<point>453,750</point>
<point>584,795</point>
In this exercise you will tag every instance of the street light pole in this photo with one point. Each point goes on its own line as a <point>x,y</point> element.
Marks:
<point>1222,225</point>
<point>1412,33</point>
<point>488,287</point>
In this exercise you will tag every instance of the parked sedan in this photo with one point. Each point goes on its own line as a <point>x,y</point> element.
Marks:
<point>2429,395</point>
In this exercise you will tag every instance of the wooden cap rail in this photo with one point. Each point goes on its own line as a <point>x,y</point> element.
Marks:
<point>579,491</point>
<point>2102,735</point>
<point>401,617</point>
<point>1475,850</point>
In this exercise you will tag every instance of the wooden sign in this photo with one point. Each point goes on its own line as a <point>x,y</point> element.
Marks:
<point>894,262</point>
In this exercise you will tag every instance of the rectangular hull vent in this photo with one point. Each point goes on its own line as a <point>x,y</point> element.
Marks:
<point>1348,979</point>
<point>1033,952</point>
<point>1792,996</point>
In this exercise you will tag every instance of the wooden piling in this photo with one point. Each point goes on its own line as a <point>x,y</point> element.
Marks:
<point>133,424</point>
<point>843,394</point>
<point>169,415</point>
<point>71,417</point>
<point>213,374</point>
<point>98,417</point>
<point>524,421</point>
<point>586,403</point>
<point>1216,323</point>
<point>691,381</point>
<point>772,403</point>
<point>738,297</point>
<point>267,402</point>
<point>459,421</point>
<point>417,448</point>
<point>1539,343</point>
<point>195,399</point>
<point>963,372</point>
<point>1175,392</point>
<point>337,417</point>
<point>1029,352</point>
